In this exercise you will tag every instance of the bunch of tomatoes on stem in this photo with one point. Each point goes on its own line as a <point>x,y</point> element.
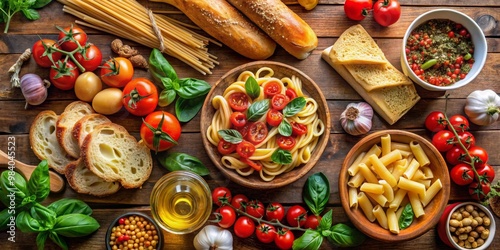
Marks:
<point>385,12</point>
<point>267,223</point>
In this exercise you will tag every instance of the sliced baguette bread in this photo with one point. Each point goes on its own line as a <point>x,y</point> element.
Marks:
<point>84,181</point>
<point>111,153</point>
<point>377,76</point>
<point>72,113</point>
<point>44,141</point>
<point>86,125</point>
<point>355,45</point>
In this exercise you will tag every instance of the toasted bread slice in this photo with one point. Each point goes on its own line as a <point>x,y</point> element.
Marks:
<point>72,113</point>
<point>376,76</point>
<point>355,45</point>
<point>84,181</point>
<point>44,142</point>
<point>86,124</point>
<point>111,153</point>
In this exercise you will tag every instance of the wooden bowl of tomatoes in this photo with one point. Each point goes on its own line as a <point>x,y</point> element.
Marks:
<point>248,141</point>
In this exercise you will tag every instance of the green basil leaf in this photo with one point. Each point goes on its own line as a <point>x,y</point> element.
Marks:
<point>13,184</point>
<point>310,240</point>
<point>252,87</point>
<point>231,135</point>
<point>39,182</point>
<point>167,96</point>
<point>167,83</point>
<point>40,3</point>
<point>187,109</point>
<point>316,192</point>
<point>45,217</point>
<point>406,217</point>
<point>160,67</point>
<point>41,238</point>
<point>294,106</point>
<point>75,225</point>
<point>282,156</point>
<point>31,14</point>
<point>326,221</point>
<point>257,110</point>
<point>58,240</point>
<point>182,161</point>
<point>70,206</point>
<point>5,216</point>
<point>285,128</point>
<point>190,88</point>
<point>345,236</point>
<point>27,224</point>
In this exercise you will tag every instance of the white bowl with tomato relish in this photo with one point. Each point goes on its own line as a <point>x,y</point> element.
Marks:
<point>438,69</point>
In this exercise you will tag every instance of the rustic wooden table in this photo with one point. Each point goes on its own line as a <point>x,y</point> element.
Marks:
<point>328,21</point>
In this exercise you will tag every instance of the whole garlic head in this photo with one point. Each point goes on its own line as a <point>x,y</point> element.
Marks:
<point>357,118</point>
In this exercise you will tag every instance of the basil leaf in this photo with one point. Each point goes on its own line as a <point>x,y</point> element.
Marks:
<point>343,235</point>
<point>285,128</point>
<point>75,225</point>
<point>252,87</point>
<point>406,217</point>
<point>5,218</point>
<point>282,156</point>
<point>19,188</point>
<point>182,161</point>
<point>41,238</point>
<point>58,240</point>
<point>231,135</point>
<point>326,221</point>
<point>310,240</point>
<point>187,109</point>
<point>70,206</point>
<point>167,96</point>
<point>27,224</point>
<point>316,192</point>
<point>257,110</point>
<point>39,182</point>
<point>190,88</point>
<point>160,67</point>
<point>40,3</point>
<point>294,106</point>
<point>31,14</point>
<point>45,217</point>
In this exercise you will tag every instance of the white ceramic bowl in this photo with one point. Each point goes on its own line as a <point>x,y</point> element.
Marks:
<point>478,39</point>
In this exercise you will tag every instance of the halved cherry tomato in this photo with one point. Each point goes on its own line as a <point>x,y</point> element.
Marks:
<point>253,164</point>
<point>265,233</point>
<point>239,201</point>
<point>140,96</point>
<point>225,147</point>
<point>117,72</point>
<point>41,49</point>
<point>274,117</point>
<point>90,57</point>
<point>70,36</point>
<point>244,130</point>
<point>245,149</point>
<point>298,129</point>
<point>272,88</point>
<point>279,101</point>
<point>238,119</point>
<point>238,101</point>
<point>290,93</point>
<point>257,132</point>
<point>285,142</point>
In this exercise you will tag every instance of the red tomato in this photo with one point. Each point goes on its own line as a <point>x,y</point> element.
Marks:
<point>244,130</point>
<point>245,149</point>
<point>238,119</point>
<point>296,215</point>
<point>256,209</point>
<point>443,140</point>
<point>435,121</point>
<point>455,155</point>
<point>220,194</point>
<point>284,239</point>
<point>462,174</point>
<point>253,164</point>
<point>257,132</point>
<point>298,129</point>
<point>274,117</point>
<point>239,201</point>
<point>238,101</point>
<point>160,138</point>
<point>226,216</point>
<point>265,233</point>
<point>63,75</point>
<point>279,101</point>
<point>312,221</point>
<point>70,36</point>
<point>290,93</point>
<point>90,57</point>
<point>225,147</point>
<point>41,50</point>
<point>272,88</point>
<point>467,139</point>
<point>357,9</point>
<point>285,142</point>
<point>244,227</point>
<point>140,96</point>
<point>386,12</point>
<point>479,155</point>
<point>275,211</point>
<point>479,191</point>
<point>459,123</point>
<point>486,172</point>
<point>117,72</point>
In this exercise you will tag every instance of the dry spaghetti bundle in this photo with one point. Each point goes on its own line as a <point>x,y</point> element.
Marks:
<point>131,20</point>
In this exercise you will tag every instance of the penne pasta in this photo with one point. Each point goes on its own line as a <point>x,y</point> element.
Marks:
<point>392,221</point>
<point>380,215</point>
<point>353,169</point>
<point>416,204</point>
<point>353,197</point>
<point>398,198</point>
<point>427,173</point>
<point>379,198</point>
<point>356,180</point>
<point>385,142</point>
<point>411,169</point>
<point>431,192</point>
<point>388,191</point>
<point>366,206</point>
<point>372,188</point>
<point>411,186</point>
<point>400,146</point>
<point>382,171</point>
<point>367,173</point>
<point>419,154</point>
<point>391,157</point>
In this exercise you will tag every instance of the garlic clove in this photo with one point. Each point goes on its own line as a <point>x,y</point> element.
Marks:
<point>356,119</point>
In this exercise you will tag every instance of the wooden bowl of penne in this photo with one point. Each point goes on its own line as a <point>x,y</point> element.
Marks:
<point>394,185</point>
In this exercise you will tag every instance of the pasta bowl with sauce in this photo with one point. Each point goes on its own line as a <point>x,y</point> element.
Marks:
<point>309,145</point>
<point>414,164</point>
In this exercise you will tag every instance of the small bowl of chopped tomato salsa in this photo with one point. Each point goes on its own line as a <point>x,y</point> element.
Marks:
<point>443,49</point>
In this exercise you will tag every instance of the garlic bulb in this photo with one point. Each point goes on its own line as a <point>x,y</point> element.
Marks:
<point>357,118</point>
<point>213,238</point>
<point>482,107</point>
<point>33,88</point>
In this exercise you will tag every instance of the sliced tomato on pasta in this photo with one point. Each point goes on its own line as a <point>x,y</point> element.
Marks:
<point>245,149</point>
<point>274,117</point>
<point>279,101</point>
<point>225,147</point>
<point>238,119</point>
<point>238,101</point>
<point>298,128</point>
<point>257,132</point>
<point>253,164</point>
<point>272,88</point>
<point>291,94</point>
<point>285,142</point>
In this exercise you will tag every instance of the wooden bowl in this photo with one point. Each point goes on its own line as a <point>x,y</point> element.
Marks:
<point>309,88</point>
<point>433,210</point>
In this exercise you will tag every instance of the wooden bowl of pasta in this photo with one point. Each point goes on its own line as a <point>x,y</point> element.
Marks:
<point>283,150</point>
<point>390,175</point>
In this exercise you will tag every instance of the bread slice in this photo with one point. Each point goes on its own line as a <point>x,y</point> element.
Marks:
<point>355,45</point>
<point>84,181</point>
<point>111,153</point>
<point>376,76</point>
<point>43,141</point>
<point>72,113</point>
<point>86,124</point>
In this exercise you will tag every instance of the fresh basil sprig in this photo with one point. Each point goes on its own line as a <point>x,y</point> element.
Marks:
<point>257,110</point>
<point>294,106</point>
<point>252,87</point>
<point>231,135</point>
<point>182,161</point>
<point>406,217</point>
<point>282,156</point>
<point>285,128</point>
<point>316,192</point>
<point>28,8</point>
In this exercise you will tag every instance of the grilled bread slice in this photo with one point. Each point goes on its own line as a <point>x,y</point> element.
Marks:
<point>64,127</point>
<point>355,45</point>
<point>84,181</point>
<point>86,124</point>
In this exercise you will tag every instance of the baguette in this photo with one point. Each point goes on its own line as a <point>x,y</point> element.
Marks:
<point>84,181</point>
<point>281,24</point>
<point>86,124</point>
<point>64,126</point>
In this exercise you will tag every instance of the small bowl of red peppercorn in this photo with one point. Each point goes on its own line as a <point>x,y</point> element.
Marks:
<point>443,49</point>
<point>134,230</point>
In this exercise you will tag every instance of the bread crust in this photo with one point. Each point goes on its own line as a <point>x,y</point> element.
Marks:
<point>79,132</point>
<point>90,184</point>
<point>64,127</point>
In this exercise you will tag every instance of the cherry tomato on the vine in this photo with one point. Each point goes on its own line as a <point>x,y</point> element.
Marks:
<point>63,75</point>
<point>225,147</point>
<point>486,172</point>
<point>221,193</point>
<point>462,174</point>
<point>41,50</point>
<point>265,233</point>
<point>459,123</point>
<point>255,208</point>
<point>239,201</point>
<point>312,221</point>
<point>160,138</point>
<point>296,215</point>
<point>435,121</point>
<point>90,57</point>
<point>140,96</point>
<point>386,12</point>
<point>117,72</point>
<point>357,9</point>
<point>479,155</point>
<point>244,227</point>
<point>70,36</point>
<point>479,191</point>
<point>284,239</point>
<point>467,139</point>
<point>226,215</point>
<point>455,155</point>
<point>275,211</point>
<point>443,140</point>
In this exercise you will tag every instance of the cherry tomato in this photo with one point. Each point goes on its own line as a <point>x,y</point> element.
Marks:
<point>298,128</point>
<point>107,101</point>
<point>256,209</point>
<point>459,123</point>
<point>245,149</point>
<point>285,142</point>
<point>275,211</point>
<point>244,130</point>
<point>462,174</point>
<point>467,139</point>
<point>225,147</point>
<point>386,12</point>
<point>160,137</point>
<point>90,57</point>
<point>312,221</point>
<point>279,101</point>
<point>443,140</point>
<point>87,86</point>
<point>272,88</point>
<point>296,215</point>
<point>486,172</point>
<point>41,50</point>
<point>479,155</point>
<point>284,239</point>
<point>290,93</point>
<point>117,72</point>
<point>239,201</point>
<point>455,155</point>
<point>63,75</point>
<point>70,36</point>
<point>226,215</point>
<point>253,164</point>
<point>257,132</point>
<point>435,121</point>
<point>357,9</point>
<point>238,101</point>
<point>140,96</point>
<point>265,233</point>
<point>244,227</point>
<point>479,191</point>
<point>274,117</point>
<point>220,194</point>
<point>238,119</point>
